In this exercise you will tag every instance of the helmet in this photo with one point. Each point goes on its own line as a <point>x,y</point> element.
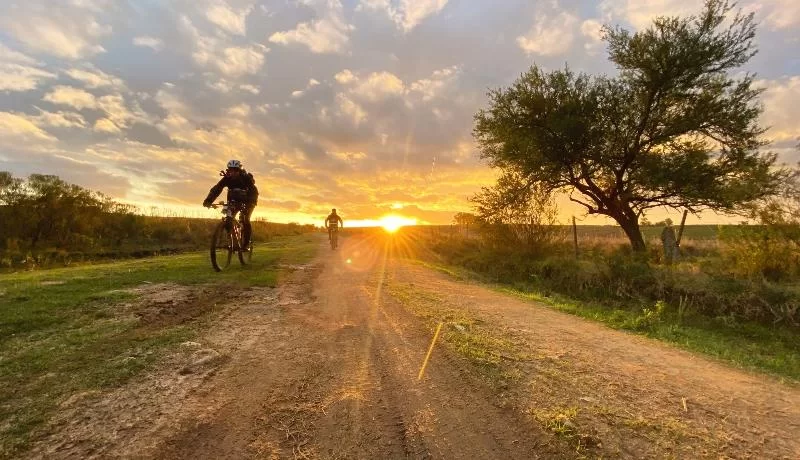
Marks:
<point>333,210</point>
<point>234,164</point>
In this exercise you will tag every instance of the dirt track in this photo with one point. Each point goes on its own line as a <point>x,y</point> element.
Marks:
<point>326,367</point>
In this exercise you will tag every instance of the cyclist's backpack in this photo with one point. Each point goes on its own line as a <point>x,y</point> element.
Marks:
<point>253,195</point>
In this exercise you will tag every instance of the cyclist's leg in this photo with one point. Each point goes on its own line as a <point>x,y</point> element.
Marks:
<point>247,229</point>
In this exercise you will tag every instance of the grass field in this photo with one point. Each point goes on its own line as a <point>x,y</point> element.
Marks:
<point>64,331</point>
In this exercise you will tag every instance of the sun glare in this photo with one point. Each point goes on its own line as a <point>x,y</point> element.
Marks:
<point>393,223</point>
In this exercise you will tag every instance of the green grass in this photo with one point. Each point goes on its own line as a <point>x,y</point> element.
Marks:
<point>62,334</point>
<point>748,345</point>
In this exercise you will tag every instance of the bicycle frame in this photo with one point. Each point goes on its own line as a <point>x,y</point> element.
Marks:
<point>229,211</point>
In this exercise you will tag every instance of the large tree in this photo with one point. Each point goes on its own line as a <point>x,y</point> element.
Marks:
<point>677,127</point>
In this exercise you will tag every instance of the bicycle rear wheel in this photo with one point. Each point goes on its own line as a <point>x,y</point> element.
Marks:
<point>221,247</point>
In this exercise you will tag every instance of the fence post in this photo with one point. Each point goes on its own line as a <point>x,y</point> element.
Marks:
<point>575,236</point>
<point>680,229</point>
<point>680,234</point>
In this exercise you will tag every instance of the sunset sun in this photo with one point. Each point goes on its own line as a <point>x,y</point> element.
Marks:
<point>393,223</point>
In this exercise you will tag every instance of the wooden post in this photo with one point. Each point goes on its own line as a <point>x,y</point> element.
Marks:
<point>680,229</point>
<point>575,236</point>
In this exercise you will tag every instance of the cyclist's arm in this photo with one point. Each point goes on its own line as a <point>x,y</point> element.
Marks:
<point>341,222</point>
<point>215,191</point>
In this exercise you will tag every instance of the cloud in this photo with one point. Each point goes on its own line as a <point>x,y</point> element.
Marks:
<point>117,110</point>
<point>782,14</point>
<point>379,85</point>
<point>73,97</point>
<point>231,61</point>
<point>221,85</point>
<point>329,33</point>
<point>228,19</point>
<point>350,109</point>
<point>311,83</point>
<point>250,89</point>
<point>781,108</point>
<point>113,106</point>
<point>149,42</point>
<point>16,129</point>
<point>18,77</point>
<point>19,72</point>
<point>348,157</point>
<point>7,55</point>
<point>641,14</point>
<point>59,119</point>
<point>778,14</point>
<point>549,35</point>
<point>104,125</point>
<point>70,33</point>
<point>344,77</point>
<point>240,110</point>
<point>431,87</point>
<point>406,14</point>
<point>94,78</point>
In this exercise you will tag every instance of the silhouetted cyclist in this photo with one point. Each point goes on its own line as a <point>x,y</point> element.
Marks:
<point>332,222</point>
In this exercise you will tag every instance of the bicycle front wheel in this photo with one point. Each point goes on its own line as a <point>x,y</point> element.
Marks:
<point>221,248</point>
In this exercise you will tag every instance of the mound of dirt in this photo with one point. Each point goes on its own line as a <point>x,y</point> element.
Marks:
<point>168,304</point>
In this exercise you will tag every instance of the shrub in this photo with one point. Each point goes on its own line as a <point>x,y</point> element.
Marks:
<point>759,252</point>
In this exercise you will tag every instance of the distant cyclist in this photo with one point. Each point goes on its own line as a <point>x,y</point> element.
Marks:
<point>332,222</point>
<point>241,189</point>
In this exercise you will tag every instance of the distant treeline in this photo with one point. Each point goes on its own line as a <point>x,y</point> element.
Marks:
<point>47,221</point>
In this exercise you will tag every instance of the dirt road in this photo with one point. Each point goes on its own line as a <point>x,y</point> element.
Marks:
<point>327,365</point>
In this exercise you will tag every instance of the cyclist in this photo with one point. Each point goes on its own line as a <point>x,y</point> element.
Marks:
<point>332,222</point>
<point>241,189</point>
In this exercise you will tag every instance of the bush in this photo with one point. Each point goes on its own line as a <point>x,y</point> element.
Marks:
<point>624,278</point>
<point>568,274</point>
<point>759,252</point>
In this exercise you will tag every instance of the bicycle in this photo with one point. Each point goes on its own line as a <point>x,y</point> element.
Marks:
<point>227,238</point>
<point>334,236</point>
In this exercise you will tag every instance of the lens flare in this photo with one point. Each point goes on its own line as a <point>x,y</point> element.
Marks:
<point>392,223</point>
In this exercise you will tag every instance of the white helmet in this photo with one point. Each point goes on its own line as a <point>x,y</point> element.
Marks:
<point>234,164</point>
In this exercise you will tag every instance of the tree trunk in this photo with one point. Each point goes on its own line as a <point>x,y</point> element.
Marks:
<point>629,221</point>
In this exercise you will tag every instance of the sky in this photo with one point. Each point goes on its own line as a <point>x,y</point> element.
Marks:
<point>362,105</point>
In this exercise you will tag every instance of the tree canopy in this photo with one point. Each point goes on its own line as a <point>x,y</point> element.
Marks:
<point>677,127</point>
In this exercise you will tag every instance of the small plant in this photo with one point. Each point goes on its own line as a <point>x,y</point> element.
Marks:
<point>560,421</point>
<point>684,304</point>
<point>649,318</point>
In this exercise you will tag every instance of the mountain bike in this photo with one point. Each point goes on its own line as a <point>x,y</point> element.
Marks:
<point>227,238</point>
<point>334,236</point>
